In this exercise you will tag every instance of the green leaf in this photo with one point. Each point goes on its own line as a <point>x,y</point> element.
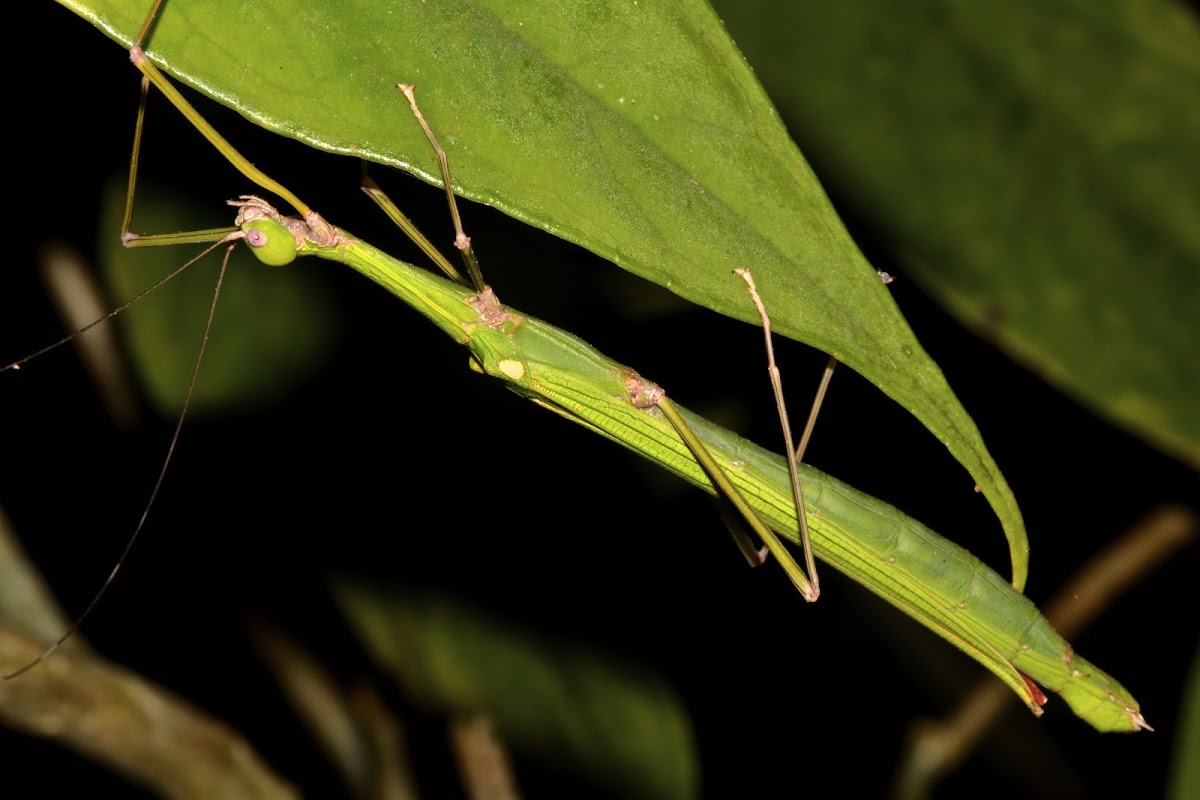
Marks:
<point>621,727</point>
<point>1185,770</point>
<point>1037,162</point>
<point>635,130</point>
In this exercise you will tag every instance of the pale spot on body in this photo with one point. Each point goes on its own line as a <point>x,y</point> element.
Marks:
<point>512,368</point>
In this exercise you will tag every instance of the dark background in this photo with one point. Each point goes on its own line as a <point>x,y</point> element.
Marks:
<point>375,468</point>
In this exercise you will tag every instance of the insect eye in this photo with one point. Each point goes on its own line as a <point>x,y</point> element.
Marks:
<point>256,238</point>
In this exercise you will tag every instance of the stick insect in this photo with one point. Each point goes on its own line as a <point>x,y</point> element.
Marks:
<point>934,581</point>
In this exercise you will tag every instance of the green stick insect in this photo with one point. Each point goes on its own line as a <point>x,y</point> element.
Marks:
<point>933,580</point>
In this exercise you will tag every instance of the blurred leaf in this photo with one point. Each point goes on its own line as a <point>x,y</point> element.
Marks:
<point>273,327</point>
<point>635,130</point>
<point>362,738</point>
<point>1185,769</point>
<point>128,724</point>
<point>26,601</point>
<point>106,713</point>
<point>1036,163</point>
<point>571,708</point>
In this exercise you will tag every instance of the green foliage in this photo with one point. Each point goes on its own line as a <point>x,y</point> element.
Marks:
<point>615,724</point>
<point>1184,781</point>
<point>1035,163</point>
<point>635,130</point>
<point>914,145</point>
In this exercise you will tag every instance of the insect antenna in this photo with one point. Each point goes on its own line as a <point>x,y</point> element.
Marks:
<point>16,365</point>
<point>170,448</point>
